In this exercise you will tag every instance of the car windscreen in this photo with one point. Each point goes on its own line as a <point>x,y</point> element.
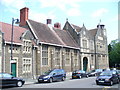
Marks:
<point>118,71</point>
<point>47,72</point>
<point>5,75</point>
<point>106,74</point>
<point>1,75</point>
<point>78,71</point>
<point>98,70</point>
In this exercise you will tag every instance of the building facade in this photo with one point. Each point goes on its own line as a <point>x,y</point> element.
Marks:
<point>93,45</point>
<point>39,47</point>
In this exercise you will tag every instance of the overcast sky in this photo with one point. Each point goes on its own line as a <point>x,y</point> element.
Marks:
<point>89,12</point>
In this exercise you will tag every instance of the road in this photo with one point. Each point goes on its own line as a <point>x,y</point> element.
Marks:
<point>74,83</point>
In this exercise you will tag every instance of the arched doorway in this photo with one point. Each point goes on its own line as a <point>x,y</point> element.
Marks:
<point>85,63</point>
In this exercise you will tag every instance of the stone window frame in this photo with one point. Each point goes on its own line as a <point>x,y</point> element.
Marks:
<point>92,45</point>
<point>75,58</point>
<point>27,46</point>
<point>44,55</point>
<point>57,56</point>
<point>67,61</point>
<point>27,65</point>
<point>15,49</point>
<point>84,43</point>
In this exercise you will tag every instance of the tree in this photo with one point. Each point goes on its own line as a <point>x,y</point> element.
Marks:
<point>114,54</point>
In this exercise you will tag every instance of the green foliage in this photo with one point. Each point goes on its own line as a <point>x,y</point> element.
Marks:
<point>114,53</point>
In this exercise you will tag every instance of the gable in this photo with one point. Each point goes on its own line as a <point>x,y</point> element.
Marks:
<point>71,30</point>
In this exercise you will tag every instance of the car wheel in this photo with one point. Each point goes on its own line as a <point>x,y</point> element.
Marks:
<point>19,84</point>
<point>111,83</point>
<point>63,78</point>
<point>79,77</point>
<point>118,81</point>
<point>51,80</point>
<point>95,75</point>
<point>39,81</point>
<point>97,83</point>
<point>87,76</point>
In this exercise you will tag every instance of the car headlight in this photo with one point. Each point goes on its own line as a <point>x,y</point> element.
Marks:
<point>97,78</point>
<point>107,79</point>
<point>46,77</point>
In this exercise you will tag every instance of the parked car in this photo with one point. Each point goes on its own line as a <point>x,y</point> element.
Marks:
<point>118,71</point>
<point>52,75</point>
<point>95,72</point>
<point>79,74</point>
<point>107,77</point>
<point>8,80</point>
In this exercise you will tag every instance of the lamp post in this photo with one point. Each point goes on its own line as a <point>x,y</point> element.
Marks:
<point>17,21</point>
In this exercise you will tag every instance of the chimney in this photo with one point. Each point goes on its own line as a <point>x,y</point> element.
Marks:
<point>49,21</point>
<point>23,16</point>
<point>57,25</point>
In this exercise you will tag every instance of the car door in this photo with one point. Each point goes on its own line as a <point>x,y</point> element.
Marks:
<point>8,79</point>
<point>58,75</point>
<point>55,77</point>
<point>84,74</point>
<point>1,79</point>
<point>115,77</point>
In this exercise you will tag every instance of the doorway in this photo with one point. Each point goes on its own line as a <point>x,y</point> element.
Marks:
<point>85,63</point>
<point>13,69</point>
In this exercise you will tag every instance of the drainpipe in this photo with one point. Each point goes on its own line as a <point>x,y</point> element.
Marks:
<point>3,53</point>
<point>41,60</point>
<point>95,54</point>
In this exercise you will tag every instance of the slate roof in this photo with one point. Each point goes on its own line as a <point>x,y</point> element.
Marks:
<point>7,28</point>
<point>93,31</point>
<point>66,37</point>
<point>78,29</point>
<point>52,36</point>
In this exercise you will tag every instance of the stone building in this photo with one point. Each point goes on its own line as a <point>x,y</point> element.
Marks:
<point>23,48</point>
<point>38,47</point>
<point>92,44</point>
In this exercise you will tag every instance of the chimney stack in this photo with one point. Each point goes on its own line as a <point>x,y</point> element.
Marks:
<point>49,21</point>
<point>23,16</point>
<point>57,25</point>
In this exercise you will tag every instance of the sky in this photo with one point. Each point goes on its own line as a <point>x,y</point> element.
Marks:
<point>78,12</point>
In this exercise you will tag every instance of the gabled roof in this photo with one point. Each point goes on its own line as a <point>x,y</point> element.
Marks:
<point>17,31</point>
<point>44,33</point>
<point>93,31</point>
<point>52,36</point>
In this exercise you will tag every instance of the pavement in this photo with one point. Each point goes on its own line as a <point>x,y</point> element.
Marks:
<point>33,81</point>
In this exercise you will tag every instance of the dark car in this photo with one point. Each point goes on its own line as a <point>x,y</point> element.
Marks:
<point>107,77</point>
<point>95,72</point>
<point>53,75</point>
<point>79,74</point>
<point>8,80</point>
<point>118,71</point>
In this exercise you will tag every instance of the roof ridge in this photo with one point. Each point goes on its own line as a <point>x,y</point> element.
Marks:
<point>37,21</point>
